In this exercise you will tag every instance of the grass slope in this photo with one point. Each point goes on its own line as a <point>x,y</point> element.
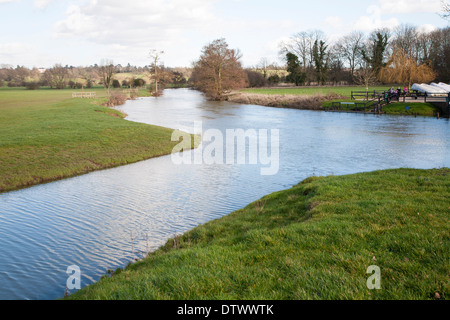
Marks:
<point>313,241</point>
<point>46,135</point>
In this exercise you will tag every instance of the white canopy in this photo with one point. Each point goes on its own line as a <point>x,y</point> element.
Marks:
<point>444,86</point>
<point>431,90</point>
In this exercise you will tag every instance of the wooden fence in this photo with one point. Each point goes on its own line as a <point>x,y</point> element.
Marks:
<point>84,95</point>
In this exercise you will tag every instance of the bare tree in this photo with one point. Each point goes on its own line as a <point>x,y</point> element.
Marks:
<point>219,70</point>
<point>349,48</point>
<point>263,65</point>
<point>106,72</point>
<point>155,55</point>
<point>405,39</point>
<point>445,10</point>
<point>365,76</point>
<point>56,76</point>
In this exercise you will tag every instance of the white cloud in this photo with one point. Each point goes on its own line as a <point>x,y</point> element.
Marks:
<point>41,4</point>
<point>6,1</point>
<point>409,6</point>
<point>366,23</point>
<point>135,22</point>
<point>426,28</point>
<point>334,22</point>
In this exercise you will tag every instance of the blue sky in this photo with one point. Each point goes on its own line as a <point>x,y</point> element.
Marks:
<point>41,33</point>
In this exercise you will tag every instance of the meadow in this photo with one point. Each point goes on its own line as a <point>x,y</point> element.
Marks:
<point>315,240</point>
<point>46,135</point>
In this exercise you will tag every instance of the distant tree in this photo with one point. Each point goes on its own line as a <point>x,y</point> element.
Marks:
<point>263,65</point>
<point>218,71</point>
<point>302,45</point>
<point>336,71</point>
<point>402,68</point>
<point>106,72</point>
<point>56,77</point>
<point>365,76</point>
<point>439,53</point>
<point>445,10</point>
<point>321,61</point>
<point>178,78</point>
<point>293,66</point>
<point>349,48</point>
<point>374,53</point>
<point>156,74</point>
<point>405,38</point>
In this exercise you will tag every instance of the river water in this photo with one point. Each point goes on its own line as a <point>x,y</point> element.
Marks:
<point>105,219</point>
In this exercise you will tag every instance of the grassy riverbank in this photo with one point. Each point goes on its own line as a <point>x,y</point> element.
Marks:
<point>313,241</point>
<point>46,135</point>
<point>319,98</point>
<point>305,91</point>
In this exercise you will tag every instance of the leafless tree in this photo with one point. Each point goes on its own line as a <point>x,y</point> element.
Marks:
<point>365,76</point>
<point>445,10</point>
<point>219,70</point>
<point>263,65</point>
<point>57,76</point>
<point>156,75</point>
<point>349,48</point>
<point>106,72</point>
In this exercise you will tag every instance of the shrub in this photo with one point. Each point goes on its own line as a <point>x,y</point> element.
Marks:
<point>115,99</point>
<point>255,79</point>
<point>139,82</point>
<point>71,84</point>
<point>274,79</point>
<point>125,84</point>
<point>116,83</point>
<point>32,85</point>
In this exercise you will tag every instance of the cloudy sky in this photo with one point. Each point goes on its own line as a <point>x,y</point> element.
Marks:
<point>41,33</point>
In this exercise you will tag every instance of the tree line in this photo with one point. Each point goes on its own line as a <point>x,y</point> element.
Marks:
<point>103,74</point>
<point>402,55</point>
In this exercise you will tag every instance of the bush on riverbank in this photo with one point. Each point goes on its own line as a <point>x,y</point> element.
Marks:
<point>313,241</point>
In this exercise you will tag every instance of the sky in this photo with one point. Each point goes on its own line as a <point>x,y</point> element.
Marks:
<point>40,33</point>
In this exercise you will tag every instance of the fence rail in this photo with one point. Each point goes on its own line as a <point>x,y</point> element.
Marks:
<point>84,94</point>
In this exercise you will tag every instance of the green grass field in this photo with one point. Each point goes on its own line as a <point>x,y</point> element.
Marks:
<point>46,135</point>
<point>313,241</point>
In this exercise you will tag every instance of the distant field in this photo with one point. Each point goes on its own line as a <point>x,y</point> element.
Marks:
<point>46,135</point>
<point>344,91</point>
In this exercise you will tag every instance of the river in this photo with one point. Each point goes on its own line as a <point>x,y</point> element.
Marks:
<point>105,219</point>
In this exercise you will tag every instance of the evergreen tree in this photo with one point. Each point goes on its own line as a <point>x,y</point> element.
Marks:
<point>295,70</point>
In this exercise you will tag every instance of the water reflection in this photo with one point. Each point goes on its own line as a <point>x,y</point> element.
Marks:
<point>104,219</point>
